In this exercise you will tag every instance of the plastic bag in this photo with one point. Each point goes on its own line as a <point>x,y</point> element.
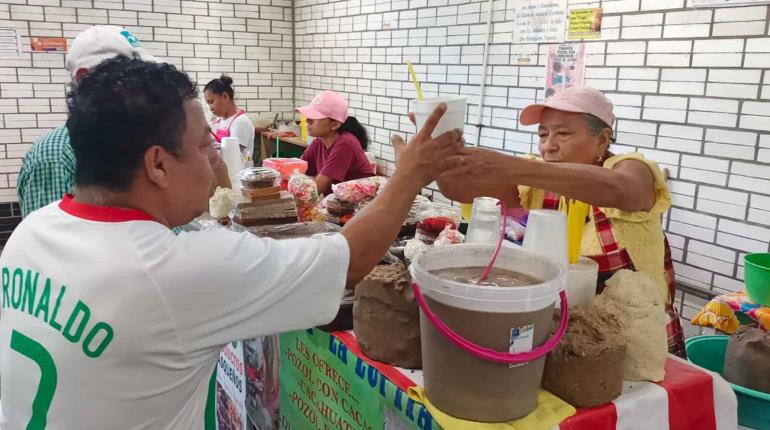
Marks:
<point>358,190</point>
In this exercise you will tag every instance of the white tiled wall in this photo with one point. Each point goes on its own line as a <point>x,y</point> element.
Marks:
<point>251,40</point>
<point>690,86</point>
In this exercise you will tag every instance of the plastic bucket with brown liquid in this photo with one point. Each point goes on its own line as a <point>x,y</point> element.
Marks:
<point>483,347</point>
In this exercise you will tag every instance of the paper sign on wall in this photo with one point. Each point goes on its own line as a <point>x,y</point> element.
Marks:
<point>566,67</point>
<point>10,43</point>
<point>585,24</point>
<point>48,44</point>
<point>540,21</point>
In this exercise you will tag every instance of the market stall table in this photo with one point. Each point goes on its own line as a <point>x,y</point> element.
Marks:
<point>327,383</point>
<point>293,144</point>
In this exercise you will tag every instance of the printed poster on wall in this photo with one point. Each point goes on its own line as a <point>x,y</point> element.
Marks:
<point>540,21</point>
<point>231,389</point>
<point>585,24</point>
<point>565,68</point>
<point>10,43</point>
<point>48,44</point>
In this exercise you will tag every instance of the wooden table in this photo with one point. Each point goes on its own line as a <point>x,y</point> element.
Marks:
<point>269,140</point>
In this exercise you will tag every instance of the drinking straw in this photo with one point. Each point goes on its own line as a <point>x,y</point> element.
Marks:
<point>576,219</point>
<point>415,81</point>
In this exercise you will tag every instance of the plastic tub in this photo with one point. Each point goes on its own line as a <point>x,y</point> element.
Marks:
<point>757,277</point>
<point>286,166</point>
<point>708,352</point>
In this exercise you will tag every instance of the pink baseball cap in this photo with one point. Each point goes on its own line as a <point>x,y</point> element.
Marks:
<point>573,99</point>
<point>327,104</point>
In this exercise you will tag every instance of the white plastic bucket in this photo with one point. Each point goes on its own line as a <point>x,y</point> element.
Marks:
<point>495,318</point>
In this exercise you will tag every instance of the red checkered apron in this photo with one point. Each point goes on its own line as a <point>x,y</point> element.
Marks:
<point>615,258</point>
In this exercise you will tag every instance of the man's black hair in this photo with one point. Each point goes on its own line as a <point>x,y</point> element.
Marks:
<point>119,110</point>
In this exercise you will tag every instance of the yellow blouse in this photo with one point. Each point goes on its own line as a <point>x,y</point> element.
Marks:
<point>640,233</point>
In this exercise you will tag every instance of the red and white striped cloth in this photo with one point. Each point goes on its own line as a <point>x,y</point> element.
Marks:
<point>689,398</point>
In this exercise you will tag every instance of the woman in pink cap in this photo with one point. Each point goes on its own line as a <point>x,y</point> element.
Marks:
<point>627,193</point>
<point>338,152</point>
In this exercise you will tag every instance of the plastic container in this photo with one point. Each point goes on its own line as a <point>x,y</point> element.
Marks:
<point>581,282</point>
<point>546,234</point>
<point>485,223</point>
<point>709,352</point>
<point>514,319</point>
<point>454,117</point>
<point>757,277</point>
<point>259,177</point>
<point>286,166</point>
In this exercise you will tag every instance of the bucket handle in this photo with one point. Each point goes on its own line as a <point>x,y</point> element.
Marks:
<point>487,353</point>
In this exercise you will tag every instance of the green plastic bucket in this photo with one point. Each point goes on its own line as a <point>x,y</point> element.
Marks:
<point>757,277</point>
<point>709,352</point>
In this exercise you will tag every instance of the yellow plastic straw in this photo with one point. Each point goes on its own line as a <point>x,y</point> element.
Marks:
<point>576,219</point>
<point>415,81</point>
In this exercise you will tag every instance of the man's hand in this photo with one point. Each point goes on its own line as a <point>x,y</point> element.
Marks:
<point>425,158</point>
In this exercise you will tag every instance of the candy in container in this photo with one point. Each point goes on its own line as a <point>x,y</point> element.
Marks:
<point>305,193</point>
<point>358,190</point>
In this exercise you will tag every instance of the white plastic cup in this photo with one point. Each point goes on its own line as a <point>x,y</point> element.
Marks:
<point>454,117</point>
<point>581,282</point>
<point>546,235</point>
<point>484,227</point>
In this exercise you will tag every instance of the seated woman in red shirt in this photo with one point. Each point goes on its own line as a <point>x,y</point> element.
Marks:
<point>338,152</point>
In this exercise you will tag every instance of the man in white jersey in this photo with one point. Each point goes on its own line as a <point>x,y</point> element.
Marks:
<point>110,321</point>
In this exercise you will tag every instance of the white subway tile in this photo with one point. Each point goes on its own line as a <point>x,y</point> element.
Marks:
<point>625,59</point>
<point>648,128</point>
<point>691,231</point>
<point>705,163</point>
<point>685,75</point>
<point>739,28</point>
<point>741,243</point>
<point>712,118</point>
<point>717,60</point>
<point>759,216</point>
<point>732,90</point>
<point>664,115</point>
<point>740,14</point>
<point>718,45</point>
<point>749,184</point>
<point>651,32</point>
<point>729,151</point>
<point>681,145</point>
<point>689,17</point>
<point>686,31</point>
<point>684,132</point>
<point>685,88</point>
<point>710,250</point>
<point>705,176</point>
<point>669,46</point>
<point>744,230</point>
<point>758,45</point>
<point>711,264</point>
<point>691,274</point>
<point>668,60</point>
<point>626,47</point>
<point>735,76</point>
<point>754,122</point>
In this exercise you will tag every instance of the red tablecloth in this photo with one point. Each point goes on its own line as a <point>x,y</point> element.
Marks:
<point>689,398</point>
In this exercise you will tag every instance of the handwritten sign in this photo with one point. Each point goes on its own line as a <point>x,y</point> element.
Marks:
<point>585,24</point>
<point>325,386</point>
<point>540,21</point>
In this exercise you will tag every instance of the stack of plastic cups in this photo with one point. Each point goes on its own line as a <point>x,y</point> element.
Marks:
<point>546,235</point>
<point>485,223</point>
